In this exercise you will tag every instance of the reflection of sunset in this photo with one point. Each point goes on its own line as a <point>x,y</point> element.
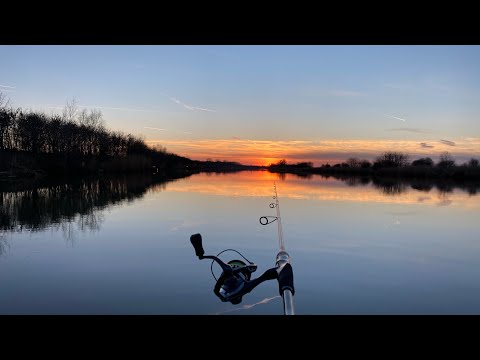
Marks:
<point>260,184</point>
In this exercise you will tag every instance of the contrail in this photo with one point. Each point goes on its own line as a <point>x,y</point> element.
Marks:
<point>154,128</point>
<point>6,86</point>
<point>189,107</point>
<point>394,117</point>
<point>158,129</point>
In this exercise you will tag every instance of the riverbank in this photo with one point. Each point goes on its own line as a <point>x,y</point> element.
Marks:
<point>461,172</point>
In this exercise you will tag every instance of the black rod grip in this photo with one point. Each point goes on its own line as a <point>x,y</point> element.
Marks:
<point>285,279</point>
<point>196,240</point>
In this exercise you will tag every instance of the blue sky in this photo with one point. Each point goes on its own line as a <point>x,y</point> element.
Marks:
<point>263,96</point>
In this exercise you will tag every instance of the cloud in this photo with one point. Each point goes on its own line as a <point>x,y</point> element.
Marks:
<point>343,93</point>
<point>395,86</point>
<point>414,130</point>
<point>114,108</point>
<point>102,107</point>
<point>189,107</point>
<point>7,88</point>
<point>425,145</point>
<point>237,138</point>
<point>395,117</point>
<point>447,142</point>
<point>160,129</point>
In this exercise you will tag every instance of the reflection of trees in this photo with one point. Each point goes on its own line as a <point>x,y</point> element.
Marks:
<point>357,181</point>
<point>389,186</point>
<point>60,206</point>
<point>396,186</point>
<point>422,185</point>
<point>3,244</point>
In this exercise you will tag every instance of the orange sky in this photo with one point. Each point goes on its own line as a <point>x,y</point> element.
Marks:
<point>264,152</point>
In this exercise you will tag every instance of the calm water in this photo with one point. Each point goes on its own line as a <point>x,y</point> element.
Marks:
<point>121,246</point>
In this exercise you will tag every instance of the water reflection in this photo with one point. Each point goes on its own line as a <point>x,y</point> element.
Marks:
<point>329,188</point>
<point>77,206</point>
<point>65,204</point>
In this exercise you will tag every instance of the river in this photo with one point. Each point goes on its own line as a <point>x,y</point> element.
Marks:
<point>121,245</point>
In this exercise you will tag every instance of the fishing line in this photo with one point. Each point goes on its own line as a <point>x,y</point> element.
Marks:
<point>221,252</point>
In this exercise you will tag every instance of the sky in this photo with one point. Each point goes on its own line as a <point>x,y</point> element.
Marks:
<point>259,104</point>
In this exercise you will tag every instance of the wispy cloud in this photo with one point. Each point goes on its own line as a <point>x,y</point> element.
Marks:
<point>344,93</point>
<point>414,130</point>
<point>447,142</point>
<point>160,129</point>
<point>395,86</point>
<point>189,107</point>
<point>237,138</point>
<point>425,145</point>
<point>395,117</point>
<point>7,88</point>
<point>115,108</point>
<point>102,107</point>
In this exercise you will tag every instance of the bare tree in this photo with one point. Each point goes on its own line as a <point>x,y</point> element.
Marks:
<point>353,162</point>
<point>392,159</point>
<point>4,101</point>
<point>365,164</point>
<point>446,160</point>
<point>70,110</point>
<point>473,162</point>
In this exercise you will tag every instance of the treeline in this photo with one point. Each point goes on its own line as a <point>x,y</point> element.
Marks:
<point>79,138</point>
<point>389,164</point>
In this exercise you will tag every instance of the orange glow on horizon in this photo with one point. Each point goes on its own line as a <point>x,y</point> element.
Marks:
<point>265,152</point>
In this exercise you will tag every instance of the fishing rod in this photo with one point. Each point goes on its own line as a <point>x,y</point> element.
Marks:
<point>283,266</point>
<point>235,280</point>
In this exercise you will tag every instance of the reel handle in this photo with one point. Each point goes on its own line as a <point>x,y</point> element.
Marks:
<point>196,240</point>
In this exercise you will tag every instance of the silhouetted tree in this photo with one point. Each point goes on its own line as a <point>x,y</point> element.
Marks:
<point>391,159</point>
<point>423,162</point>
<point>446,160</point>
<point>353,162</point>
<point>70,110</point>
<point>365,164</point>
<point>473,162</point>
<point>305,164</point>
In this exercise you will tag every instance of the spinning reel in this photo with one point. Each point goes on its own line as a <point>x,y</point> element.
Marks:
<point>235,280</point>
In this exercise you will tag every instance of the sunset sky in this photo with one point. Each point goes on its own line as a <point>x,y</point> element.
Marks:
<point>259,104</point>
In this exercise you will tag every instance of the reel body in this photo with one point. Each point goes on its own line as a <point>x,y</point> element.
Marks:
<point>235,280</point>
